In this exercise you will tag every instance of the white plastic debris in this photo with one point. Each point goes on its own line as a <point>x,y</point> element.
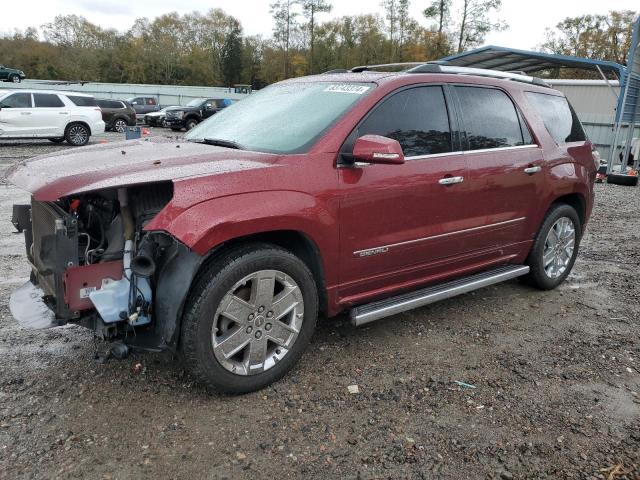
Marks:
<point>353,389</point>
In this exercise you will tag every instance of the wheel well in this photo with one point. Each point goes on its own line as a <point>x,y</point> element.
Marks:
<point>295,242</point>
<point>81,123</point>
<point>578,202</point>
<point>192,117</point>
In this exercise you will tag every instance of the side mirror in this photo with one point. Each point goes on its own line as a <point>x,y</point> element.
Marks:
<point>378,149</point>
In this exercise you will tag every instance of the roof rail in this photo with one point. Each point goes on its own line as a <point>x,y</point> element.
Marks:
<point>482,72</point>
<point>364,68</point>
<point>439,66</point>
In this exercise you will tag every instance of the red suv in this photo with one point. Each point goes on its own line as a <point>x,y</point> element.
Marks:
<point>367,192</point>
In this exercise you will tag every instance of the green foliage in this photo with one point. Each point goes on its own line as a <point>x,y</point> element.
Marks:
<point>598,37</point>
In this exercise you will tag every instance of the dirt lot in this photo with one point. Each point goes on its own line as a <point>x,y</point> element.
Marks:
<point>556,377</point>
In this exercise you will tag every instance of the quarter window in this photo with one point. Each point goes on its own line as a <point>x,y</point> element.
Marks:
<point>490,119</point>
<point>558,117</point>
<point>81,101</point>
<point>417,118</point>
<point>47,100</point>
<point>17,100</point>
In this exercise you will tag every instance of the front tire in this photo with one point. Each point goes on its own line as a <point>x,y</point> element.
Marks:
<point>15,79</point>
<point>77,134</point>
<point>249,317</point>
<point>191,123</point>
<point>555,247</point>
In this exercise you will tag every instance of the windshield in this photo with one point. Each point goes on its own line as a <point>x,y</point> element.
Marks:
<point>195,102</point>
<point>282,118</point>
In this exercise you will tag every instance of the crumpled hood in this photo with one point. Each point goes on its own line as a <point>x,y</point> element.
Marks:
<point>76,170</point>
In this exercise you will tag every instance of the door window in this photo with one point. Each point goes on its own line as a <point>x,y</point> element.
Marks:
<point>417,118</point>
<point>490,119</point>
<point>47,100</point>
<point>17,100</point>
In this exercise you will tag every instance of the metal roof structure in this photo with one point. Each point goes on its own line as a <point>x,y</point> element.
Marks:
<point>513,60</point>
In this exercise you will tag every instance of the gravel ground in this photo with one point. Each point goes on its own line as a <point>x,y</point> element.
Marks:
<point>555,375</point>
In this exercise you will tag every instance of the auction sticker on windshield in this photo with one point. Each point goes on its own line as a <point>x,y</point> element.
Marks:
<point>347,88</point>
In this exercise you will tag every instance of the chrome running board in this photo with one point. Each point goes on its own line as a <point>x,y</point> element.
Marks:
<point>401,303</point>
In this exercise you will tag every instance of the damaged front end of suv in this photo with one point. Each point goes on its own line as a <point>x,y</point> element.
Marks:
<point>94,264</point>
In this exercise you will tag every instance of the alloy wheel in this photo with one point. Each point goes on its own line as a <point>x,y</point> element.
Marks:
<point>120,126</point>
<point>257,322</point>
<point>78,135</point>
<point>558,247</point>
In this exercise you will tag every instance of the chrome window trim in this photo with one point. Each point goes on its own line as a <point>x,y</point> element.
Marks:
<point>384,248</point>
<point>516,147</point>
<point>434,155</point>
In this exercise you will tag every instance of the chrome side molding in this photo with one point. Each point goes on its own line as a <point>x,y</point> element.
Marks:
<point>401,303</point>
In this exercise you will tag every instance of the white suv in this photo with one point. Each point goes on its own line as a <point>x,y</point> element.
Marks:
<point>57,116</point>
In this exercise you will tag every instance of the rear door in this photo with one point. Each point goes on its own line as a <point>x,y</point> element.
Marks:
<point>50,115</point>
<point>16,115</point>
<point>400,223</point>
<point>506,178</point>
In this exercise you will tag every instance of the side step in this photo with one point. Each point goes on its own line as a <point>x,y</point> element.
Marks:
<point>407,301</point>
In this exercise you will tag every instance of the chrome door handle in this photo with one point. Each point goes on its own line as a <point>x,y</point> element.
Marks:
<point>531,170</point>
<point>25,113</point>
<point>450,180</point>
<point>63,113</point>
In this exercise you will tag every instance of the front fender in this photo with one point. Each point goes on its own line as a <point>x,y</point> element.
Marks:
<point>206,225</point>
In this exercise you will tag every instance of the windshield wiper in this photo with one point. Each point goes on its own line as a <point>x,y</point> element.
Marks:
<point>218,142</point>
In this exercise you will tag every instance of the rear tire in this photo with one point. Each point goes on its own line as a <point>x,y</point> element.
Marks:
<point>626,180</point>
<point>555,247</point>
<point>77,134</point>
<point>235,336</point>
<point>120,125</point>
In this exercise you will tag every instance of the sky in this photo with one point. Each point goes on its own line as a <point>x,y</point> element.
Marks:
<point>526,20</point>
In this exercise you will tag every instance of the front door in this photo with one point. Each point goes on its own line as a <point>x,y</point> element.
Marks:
<point>399,222</point>
<point>15,115</point>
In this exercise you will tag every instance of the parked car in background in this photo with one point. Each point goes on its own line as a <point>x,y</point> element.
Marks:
<point>365,192</point>
<point>143,105</point>
<point>157,119</point>
<point>117,114</point>
<point>57,116</point>
<point>11,74</point>
<point>194,112</point>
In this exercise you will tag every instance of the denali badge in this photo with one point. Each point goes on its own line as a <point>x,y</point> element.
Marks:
<point>371,251</point>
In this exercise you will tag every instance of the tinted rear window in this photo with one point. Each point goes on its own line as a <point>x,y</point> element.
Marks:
<point>82,101</point>
<point>110,104</point>
<point>417,118</point>
<point>490,119</point>
<point>47,100</point>
<point>558,116</point>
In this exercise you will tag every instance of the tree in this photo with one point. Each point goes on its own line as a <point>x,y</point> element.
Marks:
<point>310,8</point>
<point>405,23</point>
<point>284,23</point>
<point>598,37</point>
<point>475,22</point>
<point>232,56</point>
<point>391,15</point>
<point>440,11</point>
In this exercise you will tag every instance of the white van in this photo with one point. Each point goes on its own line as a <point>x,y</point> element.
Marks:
<point>57,116</point>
